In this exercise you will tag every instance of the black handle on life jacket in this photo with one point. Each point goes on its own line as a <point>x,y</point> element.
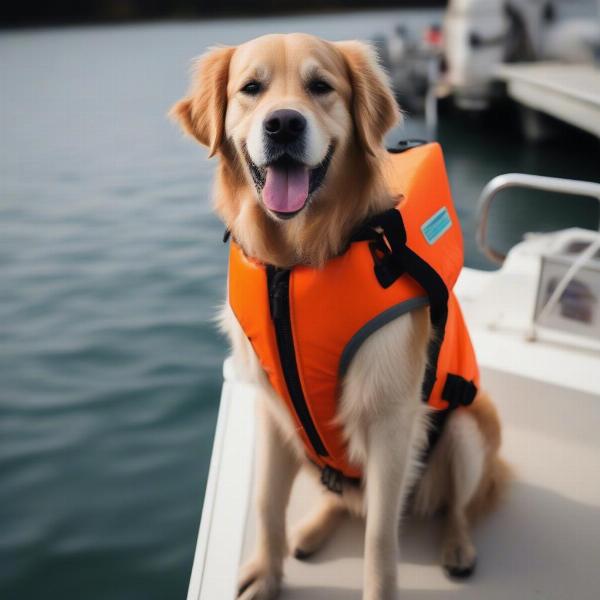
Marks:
<point>389,225</point>
<point>404,145</point>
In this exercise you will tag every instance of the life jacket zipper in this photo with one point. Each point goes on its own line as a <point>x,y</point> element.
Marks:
<point>279,303</point>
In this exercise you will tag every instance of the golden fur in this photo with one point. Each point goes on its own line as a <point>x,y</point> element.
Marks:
<point>383,417</point>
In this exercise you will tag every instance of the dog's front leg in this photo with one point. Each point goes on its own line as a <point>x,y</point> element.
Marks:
<point>276,469</point>
<point>390,469</point>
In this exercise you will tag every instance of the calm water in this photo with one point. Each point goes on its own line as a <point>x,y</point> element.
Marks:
<point>111,267</point>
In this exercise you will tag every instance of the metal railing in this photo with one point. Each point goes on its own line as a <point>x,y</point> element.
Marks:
<point>534,182</point>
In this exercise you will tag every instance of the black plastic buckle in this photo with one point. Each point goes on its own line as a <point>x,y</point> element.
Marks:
<point>332,479</point>
<point>393,230</point>
<point>458,391</point>
<point>386,265</point>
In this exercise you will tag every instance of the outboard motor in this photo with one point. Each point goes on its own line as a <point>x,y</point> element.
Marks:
<point>474,32</point>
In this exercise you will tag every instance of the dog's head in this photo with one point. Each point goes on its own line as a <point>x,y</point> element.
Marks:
<point>296,113</point>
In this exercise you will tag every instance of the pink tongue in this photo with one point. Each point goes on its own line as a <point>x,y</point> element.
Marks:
<point>286,188</point>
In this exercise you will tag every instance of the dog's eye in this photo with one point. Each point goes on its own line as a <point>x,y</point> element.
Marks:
<point>252,88</point>
<point>319,87</point>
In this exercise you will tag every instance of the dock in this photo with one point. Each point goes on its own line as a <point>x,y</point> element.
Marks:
<point>569,92</point>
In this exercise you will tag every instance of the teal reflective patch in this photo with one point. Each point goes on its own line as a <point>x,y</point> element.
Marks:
<point>433,229</point>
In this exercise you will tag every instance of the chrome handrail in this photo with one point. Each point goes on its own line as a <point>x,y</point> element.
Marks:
<point>520,180</point>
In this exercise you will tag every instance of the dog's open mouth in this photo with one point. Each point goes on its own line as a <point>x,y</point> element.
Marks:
<point>286,184</point>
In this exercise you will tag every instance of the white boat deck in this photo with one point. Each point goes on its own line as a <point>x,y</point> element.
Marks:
<point>569,92</point>
<point>544,542</point>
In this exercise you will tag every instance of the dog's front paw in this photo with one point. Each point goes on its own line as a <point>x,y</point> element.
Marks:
<point>306,540</point>
<point>459,559</point>
<point>258,582</point>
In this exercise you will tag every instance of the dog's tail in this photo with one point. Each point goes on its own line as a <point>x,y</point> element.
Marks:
<point>492,488</point>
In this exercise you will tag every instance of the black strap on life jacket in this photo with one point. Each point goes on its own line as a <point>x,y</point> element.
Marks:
<point>392,258</point>
<point>457,392</point>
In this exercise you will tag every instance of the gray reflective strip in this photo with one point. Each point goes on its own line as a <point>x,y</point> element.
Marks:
<point>373,325</point>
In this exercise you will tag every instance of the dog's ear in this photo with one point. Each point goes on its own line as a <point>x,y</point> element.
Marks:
<point>202,112</point>
<point>374,108</point>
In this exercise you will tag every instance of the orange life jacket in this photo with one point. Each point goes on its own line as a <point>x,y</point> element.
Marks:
<point>306,324</point>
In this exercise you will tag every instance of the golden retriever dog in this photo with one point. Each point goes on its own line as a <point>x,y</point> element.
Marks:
<point>297,124</point>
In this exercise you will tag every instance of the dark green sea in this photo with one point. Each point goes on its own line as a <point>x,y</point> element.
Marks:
<point>111,268</point>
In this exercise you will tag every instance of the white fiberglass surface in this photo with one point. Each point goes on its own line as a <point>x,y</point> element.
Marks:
<point>542,542</point>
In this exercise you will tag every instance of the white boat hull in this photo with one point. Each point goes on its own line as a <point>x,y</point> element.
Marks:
<point>542,543</point>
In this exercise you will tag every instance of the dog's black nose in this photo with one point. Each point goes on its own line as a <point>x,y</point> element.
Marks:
<point>284,126</point>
